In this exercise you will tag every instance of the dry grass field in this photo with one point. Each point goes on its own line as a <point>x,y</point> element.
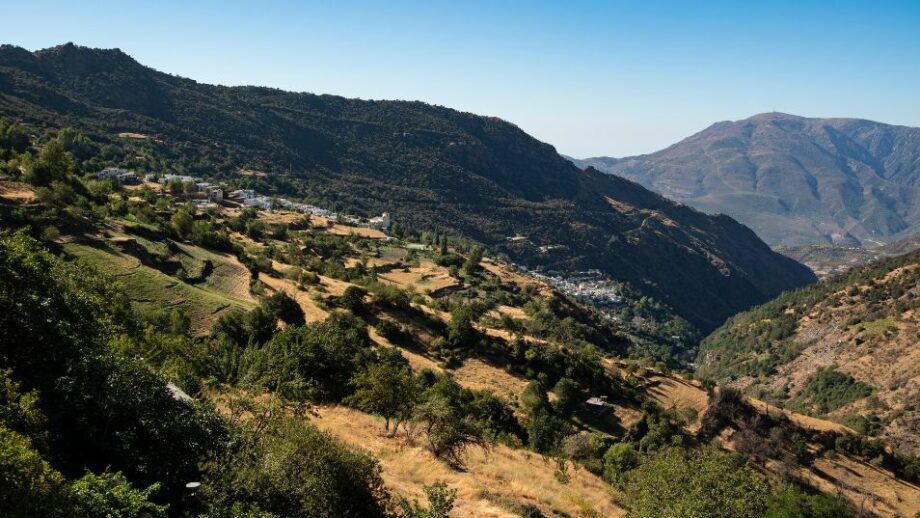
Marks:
<point>491,481</point>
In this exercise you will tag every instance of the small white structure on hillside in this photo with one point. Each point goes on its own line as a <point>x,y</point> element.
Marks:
<point>259,202</point>
<point>181,177</point>
<point>381,222</point>
<point>242,194</point>
<point>110,172</point>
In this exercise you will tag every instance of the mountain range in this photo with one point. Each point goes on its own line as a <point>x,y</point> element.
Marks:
<point>433,168</point>
<point>793,180</point>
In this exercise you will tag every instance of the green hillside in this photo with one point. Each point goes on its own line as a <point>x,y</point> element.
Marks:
<point>475,177</point>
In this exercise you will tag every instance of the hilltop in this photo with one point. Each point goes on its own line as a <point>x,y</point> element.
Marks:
<point>435,169</point>
<point>794,180</point>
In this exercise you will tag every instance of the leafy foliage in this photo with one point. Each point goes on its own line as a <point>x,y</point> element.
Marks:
<point>704,483</point>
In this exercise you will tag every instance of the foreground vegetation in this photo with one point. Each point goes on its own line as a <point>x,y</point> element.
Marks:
<point>111,405</point>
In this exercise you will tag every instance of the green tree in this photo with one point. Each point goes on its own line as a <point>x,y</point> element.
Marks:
<point>471,265</point>
<point>448,428</point>
<point>28,485</point>
<point>460,330</point>
<point>181,223</point>
<point>619,459</point>
<point>53,163</point>
<point>285,308</point>
<point>546,431</point>
<point>352,299</point>
<point>533,398</point>
<point>791,503</point>
<point>387,389</point>
<point>700,483</point>
<point>313,362</point>
<point>568,396</point>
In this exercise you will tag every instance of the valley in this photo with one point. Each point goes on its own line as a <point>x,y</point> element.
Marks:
<point>240,302</point>
<point>503,479</point>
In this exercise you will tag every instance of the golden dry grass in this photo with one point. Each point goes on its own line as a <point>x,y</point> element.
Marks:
<point>478,375</point>
<point>17,192</point>
<point>312,312</point>
<point>865,486</point>
<point>675,393</point>
<point>506,275</point>
<point>800,420</point>
<point>425,278</point>
<point>505,473</point>
<point>280,217</point>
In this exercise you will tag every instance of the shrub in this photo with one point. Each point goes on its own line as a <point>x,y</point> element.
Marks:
<point>704,482</point>
<point>294,470</point>
<point>789,503</point>
<point>112,496</point>
<point>440,502</point>
<point>313,362</point>
<point>619,459</point>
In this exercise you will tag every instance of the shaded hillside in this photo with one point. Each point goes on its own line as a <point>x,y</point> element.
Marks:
<point>794,180</point>
<point>478,177</point>
<point>845,348</point>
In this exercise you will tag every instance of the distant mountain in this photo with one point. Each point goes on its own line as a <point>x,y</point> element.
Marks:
<point>601,163</point>
<point>827,260</point>
<point>793,180</point>
<point>433,168</point>
<point>845,348</point>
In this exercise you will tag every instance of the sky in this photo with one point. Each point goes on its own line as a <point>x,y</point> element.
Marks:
<point>614,78</point>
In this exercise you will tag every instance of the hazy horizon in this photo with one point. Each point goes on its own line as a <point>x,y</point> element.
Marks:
<point>593,80</point>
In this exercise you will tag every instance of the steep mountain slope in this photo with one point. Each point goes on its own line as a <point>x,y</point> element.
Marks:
<point>478,177</point>
<point>794,180</point>
<point>845,348</point>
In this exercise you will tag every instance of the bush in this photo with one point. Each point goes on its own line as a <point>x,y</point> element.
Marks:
<point>28,485</point>
<point>112,496</point>
<point>619,459</point>
<point>313,362</point>
<point>790,503</point>
<point>294,470</point>
<point>704,482</point>
<point>440,502</point>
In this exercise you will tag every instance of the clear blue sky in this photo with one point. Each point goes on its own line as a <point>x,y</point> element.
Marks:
<point>591,78</point>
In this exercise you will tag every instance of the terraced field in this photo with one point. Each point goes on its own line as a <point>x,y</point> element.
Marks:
<point>220,291</point>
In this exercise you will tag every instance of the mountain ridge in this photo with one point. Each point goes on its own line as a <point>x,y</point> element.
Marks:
<point>433,167</point>
<point>794,180</point>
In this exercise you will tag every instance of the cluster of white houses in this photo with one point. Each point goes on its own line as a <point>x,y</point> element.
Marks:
<point>250,198</point>
<point>117,173</point>
<point>208,193</point>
